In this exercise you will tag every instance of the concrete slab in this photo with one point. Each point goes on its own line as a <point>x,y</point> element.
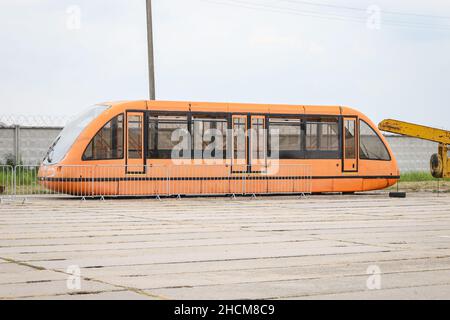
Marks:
<point>216,248</point>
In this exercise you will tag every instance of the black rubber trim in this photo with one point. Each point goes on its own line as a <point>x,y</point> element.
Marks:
<point>401,195</point>
<point>213,178</point>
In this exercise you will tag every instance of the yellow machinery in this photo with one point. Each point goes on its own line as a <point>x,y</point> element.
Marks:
<point>440,162</point>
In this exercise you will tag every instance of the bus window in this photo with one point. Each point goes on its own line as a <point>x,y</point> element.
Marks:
<point>322,135</point>
<point>350,163</point>
<point>70,133</point>
<point>289,137</point>
<point>108,142</point>
<point>258,139</point>
<point>209,134</point>
<point>350,137</point>
<point>239,139</point>
<point>134,137</point>
<point>322,138</point>
<point>164,133</point>
<point>371,146</point>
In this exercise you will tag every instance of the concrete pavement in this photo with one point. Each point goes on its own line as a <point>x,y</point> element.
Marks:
<point>323,247</point>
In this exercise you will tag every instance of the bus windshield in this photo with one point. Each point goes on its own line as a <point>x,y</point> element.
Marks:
<point>70,133</point>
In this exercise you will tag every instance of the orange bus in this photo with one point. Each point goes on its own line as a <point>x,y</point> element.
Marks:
<point>164,148</point>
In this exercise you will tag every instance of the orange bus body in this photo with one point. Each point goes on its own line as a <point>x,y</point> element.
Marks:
<point>75,176</point>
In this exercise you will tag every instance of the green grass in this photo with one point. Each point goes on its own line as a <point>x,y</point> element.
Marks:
<point>418,176</point>
<point>5,177</point>
<point>5,182</point>
<point>26,182</point>
<point>23,177</point>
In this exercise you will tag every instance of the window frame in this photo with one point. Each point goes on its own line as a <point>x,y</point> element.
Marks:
<point>208,117</point>
<point>148,153</point>
<point>83,158</point>
<point>379,138</point>
<point>289,154</point>
<point>302,154</point>
<point>324,154</point>
<point>255,157</point>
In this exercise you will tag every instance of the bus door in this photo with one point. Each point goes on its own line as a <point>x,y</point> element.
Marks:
<point>350,144</point>
<point>258,142</point>
<point>239,163</point>
<point>135,161</point>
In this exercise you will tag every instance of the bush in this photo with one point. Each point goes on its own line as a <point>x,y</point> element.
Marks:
<point>10,160</point>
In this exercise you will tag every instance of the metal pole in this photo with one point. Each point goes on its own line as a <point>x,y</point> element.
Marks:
<point>17,144</point>
<point>151,59</point>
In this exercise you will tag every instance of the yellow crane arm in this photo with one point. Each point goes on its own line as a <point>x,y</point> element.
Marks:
<point>440,163</point>
<point>416,131</point>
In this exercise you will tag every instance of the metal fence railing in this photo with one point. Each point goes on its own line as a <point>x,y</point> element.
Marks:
<point>219,180</point>
<point>138,181</point>
<point>6,181</point>
<point>26,182</point>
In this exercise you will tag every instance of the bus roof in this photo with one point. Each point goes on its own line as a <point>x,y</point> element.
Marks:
<point>233,107</point>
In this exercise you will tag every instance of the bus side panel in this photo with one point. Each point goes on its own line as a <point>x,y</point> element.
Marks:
<point>216,179</point>
<point>237,183</point>
<point>377,184</point>
<point>322,185</point>
<point>348,185</point>
<point>256,183</point>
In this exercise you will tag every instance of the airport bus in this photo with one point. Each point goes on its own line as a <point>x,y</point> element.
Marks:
<point>127,148</point>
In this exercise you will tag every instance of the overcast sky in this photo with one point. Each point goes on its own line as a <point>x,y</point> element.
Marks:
<point>60,56</point>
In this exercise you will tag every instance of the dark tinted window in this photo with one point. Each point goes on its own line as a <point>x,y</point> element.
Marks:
<point>371,146</point>
<point>107,143</point>
<point>239,142</point>
<point>164,133</point>
<point>350,139</point>
<point>209,134</point>
<point>135,136</point>
<point>258,140</point>
<point>286,135</point>
<point>322,134</point>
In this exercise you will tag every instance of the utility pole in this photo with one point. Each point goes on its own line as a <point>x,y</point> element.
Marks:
<point>151,58</point>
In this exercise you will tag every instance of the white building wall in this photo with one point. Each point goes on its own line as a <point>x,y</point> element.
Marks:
<point>32,143</point>
<point>412,154</point>
<point>6,142</point>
